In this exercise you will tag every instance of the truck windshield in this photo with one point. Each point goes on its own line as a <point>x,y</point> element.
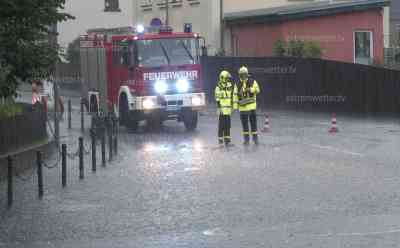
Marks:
<point>160,52</point>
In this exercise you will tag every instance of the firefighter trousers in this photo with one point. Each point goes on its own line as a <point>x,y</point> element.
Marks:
<point>246,117</point>
<point>224,129</point>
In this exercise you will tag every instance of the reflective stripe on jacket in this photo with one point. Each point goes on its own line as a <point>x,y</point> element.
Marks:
<point>248,95</point>
<point>226,97</point>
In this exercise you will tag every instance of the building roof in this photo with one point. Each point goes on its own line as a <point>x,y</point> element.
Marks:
<point>299,11</point>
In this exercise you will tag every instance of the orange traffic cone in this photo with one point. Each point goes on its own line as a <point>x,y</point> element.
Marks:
<point>334,128</point>
<point>266,124</point>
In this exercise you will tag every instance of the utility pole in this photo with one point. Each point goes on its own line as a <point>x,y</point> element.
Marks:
<point>166,12</point>
<point>53,41</point>
<point>222,23</point>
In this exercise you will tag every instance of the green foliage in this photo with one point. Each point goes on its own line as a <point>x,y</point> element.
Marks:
<point>297,48</point>
<point>27,47</point>
<point>312,49</point>
<point>279,48</point>
<point>10,109</point>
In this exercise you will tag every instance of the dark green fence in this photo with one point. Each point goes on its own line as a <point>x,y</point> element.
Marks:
<point>313,84</point>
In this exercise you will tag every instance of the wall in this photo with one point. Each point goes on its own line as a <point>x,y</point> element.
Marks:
<point>240,5</point>
<point>354,88</point>
<point>90,14</point>
<point>335,34</point>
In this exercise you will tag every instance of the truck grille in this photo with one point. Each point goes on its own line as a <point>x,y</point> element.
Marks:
<point>175,103</point>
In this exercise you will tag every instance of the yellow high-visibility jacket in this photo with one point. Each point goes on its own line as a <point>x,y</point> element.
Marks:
<point>226,97</point>
<point>247,95</point>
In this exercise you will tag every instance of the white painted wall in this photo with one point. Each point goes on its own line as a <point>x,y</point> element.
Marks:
<point>205,18</point>
<point>386,26</point>
<point>90,14</point>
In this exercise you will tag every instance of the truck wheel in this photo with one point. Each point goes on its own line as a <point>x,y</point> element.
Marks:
<point>132,124</point>
<point>123,110</point>
<point>154,122</point>
<point>190,119</point>
<point>124,115</point>
<point>94,106</point>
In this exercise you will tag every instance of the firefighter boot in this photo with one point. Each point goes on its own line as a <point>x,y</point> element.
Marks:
<point>227,141</point>
<point>246,139</point>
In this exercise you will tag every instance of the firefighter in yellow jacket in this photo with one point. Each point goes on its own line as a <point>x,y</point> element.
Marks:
<point>247,96</point>
<point>226,98</point>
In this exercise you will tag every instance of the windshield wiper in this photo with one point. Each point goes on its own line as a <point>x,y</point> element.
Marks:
<point>187,50</point>
<point>165,52</point>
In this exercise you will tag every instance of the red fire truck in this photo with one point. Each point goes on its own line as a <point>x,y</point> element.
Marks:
<point>153,76</point>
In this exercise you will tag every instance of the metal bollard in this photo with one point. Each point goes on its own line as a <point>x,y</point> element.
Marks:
<point>82,117</point>
<point>69,113</point>
<point>39,173</point>
<point>64,165</point>
<point>9,182</point>
<point>93,134</point>
<point>81,167</point>
<point>110,139</point>
<point>115,145</point>
<point>116,124</point>
<point>103,149</point>
<point>92,121</point>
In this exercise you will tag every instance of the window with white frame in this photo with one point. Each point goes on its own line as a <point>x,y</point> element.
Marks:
<point>363,47</point>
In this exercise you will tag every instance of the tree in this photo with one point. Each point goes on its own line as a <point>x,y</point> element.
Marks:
<point>279,48</point>
<point>27,49</point>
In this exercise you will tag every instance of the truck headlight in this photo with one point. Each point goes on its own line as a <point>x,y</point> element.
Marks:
<point>182,85</point>
<point>197,101</point>
<point>161,87</point>
<point>148,103</point>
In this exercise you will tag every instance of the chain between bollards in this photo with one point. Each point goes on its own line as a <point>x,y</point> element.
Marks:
<point>39,173</point>
<point>9,182</point>
<point>64,165</point>
<point>81,166</point>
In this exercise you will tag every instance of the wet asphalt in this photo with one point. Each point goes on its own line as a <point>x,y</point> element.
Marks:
<point>301,187</point>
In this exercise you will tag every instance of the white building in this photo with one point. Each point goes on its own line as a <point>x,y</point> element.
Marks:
<point>91,14</point>
<point>204,15</point>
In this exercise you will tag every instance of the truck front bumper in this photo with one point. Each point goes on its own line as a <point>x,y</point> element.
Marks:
<point>169,103</point>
